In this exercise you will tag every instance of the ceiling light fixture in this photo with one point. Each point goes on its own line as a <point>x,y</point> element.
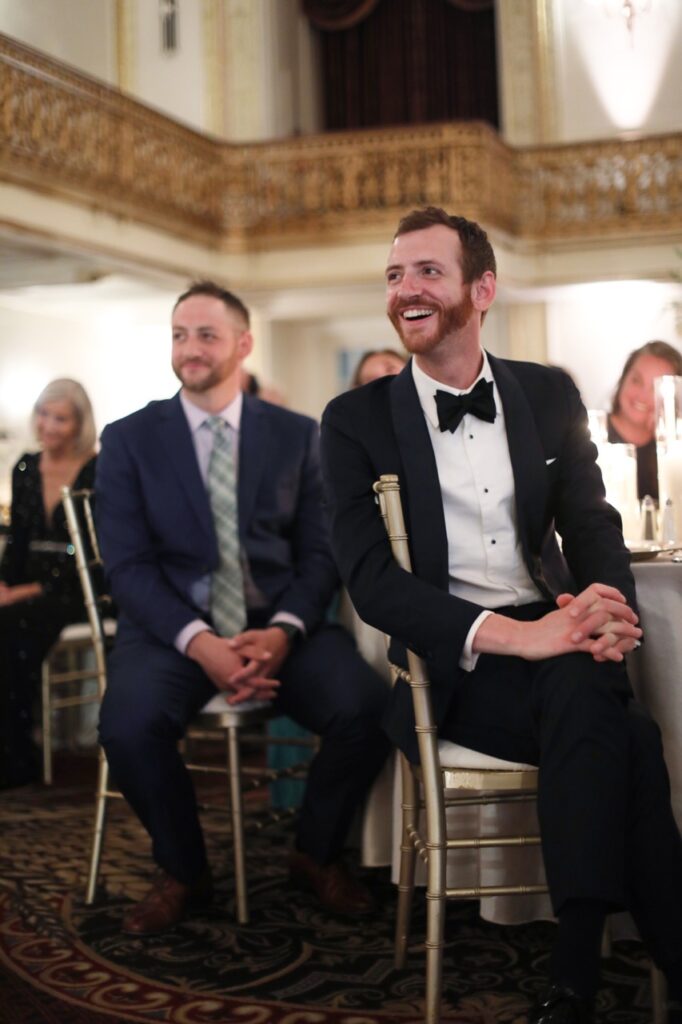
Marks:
<point>628,10</point>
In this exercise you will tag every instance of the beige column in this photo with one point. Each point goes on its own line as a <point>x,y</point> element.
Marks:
<point>260,360</point>
<point>526,68</point>
<point>527,331</point>
<point>262,69</point>
<point>125,45</point>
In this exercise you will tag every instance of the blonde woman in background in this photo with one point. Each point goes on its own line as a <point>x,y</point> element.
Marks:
<point>39,588</point>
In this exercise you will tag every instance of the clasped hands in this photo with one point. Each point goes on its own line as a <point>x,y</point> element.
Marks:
<point>598,621</point>
<point>603,624</point>
<point>244,666</point>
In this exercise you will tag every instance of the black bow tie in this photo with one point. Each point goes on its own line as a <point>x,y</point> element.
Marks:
<point>479,401</point>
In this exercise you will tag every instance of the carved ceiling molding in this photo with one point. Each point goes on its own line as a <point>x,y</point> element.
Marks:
<point>66,134</point>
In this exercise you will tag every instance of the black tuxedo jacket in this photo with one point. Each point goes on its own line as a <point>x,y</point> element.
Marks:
<point>156,529</point>
<point>381,429</point>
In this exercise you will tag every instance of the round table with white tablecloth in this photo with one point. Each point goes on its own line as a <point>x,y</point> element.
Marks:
<point>656,668</point>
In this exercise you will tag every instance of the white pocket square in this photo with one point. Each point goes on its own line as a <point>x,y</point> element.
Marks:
<point>548,462</point>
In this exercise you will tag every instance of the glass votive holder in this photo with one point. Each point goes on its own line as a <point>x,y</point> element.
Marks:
<point>597,426</point>
<point>668,405</point>
<point>618,464</point>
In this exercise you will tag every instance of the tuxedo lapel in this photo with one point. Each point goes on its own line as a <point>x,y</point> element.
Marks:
<point>254,443</point>
<point>177,442</point>
<point>527,458</point>
<point>420,489</point>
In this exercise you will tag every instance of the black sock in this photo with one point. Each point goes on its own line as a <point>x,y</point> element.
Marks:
<point>577,950</point>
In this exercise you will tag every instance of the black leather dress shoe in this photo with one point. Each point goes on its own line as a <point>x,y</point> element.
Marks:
<point>560,1005</point>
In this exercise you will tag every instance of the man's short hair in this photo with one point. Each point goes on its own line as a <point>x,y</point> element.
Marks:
<point>214,291</point>
<point>477,252</point>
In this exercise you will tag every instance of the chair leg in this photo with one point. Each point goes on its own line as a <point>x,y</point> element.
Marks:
<point>237,812</point>
<point>435,926</point>
<point>436,843</point>
<point>408,857</point>
<point>47,722</point>
<point>659,996</point>
<point>100,823</point>
<point>73,689</point>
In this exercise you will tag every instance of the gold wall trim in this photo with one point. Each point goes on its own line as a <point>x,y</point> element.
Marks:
<point>125,45</point>
<point>67,134</point>
<point>213,36</point>
<point>544,63</point>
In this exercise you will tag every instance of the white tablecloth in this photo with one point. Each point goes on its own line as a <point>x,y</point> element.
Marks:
<point>656,668</point>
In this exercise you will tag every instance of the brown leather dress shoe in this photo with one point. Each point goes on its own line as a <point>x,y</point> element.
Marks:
<point>166,904</point>
<point>333,884</point>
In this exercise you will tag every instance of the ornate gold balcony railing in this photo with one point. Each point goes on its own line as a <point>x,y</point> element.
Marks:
<point>65,133</point>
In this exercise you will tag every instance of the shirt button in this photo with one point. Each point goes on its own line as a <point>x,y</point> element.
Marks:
<point>485,490</point>
<point>471,437</point>
<point>493,541</point>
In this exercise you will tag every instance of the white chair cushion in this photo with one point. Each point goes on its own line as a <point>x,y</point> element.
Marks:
<point>81,630</point>
<point>453,756</point>
<point>75,631</point>
<point>218,704</point>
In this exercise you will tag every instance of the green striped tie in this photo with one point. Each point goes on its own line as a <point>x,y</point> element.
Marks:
<point>228,609</point>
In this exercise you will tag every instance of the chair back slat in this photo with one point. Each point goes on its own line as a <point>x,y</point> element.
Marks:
<point>78,510</point>
<point>387,489</point>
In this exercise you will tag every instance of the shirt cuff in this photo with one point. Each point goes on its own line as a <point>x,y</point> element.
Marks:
<point>468,659</point>
<point>288,617</point>
<point>188,633</point>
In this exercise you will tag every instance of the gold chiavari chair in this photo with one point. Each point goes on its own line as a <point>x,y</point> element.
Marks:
<point>446,776</point>
<point>215,717</point>
<point>449,776</point>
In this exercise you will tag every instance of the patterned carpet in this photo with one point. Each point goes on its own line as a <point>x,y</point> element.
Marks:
<point>66,963</point>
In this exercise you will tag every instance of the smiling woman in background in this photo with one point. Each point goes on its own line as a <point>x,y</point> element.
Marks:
<point>631,420</point>
<point>39,587</point>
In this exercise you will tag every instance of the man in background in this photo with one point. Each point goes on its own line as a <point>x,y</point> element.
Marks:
<point>213,537</point>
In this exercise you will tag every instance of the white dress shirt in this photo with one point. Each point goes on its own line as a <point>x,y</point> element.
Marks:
<point>485,560</point>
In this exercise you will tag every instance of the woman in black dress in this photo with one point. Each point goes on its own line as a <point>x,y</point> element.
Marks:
<point>39,587</point>
<point>631,420</point>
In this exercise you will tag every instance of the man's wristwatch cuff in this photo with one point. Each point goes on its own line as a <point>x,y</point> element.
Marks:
<point>293,632</point>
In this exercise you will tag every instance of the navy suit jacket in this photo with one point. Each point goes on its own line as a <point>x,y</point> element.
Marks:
<point>380,429</point>
<point>156,530</point>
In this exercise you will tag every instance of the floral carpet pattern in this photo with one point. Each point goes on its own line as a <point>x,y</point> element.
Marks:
<point>63,962</point>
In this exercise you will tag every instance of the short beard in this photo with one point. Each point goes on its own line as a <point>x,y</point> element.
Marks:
<point>452,319</point>
<point>214,376</point>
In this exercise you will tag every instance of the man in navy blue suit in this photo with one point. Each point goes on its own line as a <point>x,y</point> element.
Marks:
<point>157,503</point>
<point>525,643</point>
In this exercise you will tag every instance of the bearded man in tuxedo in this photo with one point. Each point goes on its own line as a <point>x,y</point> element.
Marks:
<point>525,643</point>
